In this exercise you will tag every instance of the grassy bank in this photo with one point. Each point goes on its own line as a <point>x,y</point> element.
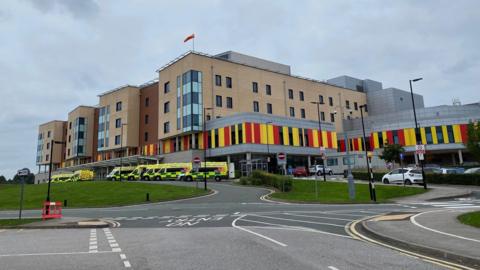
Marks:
<point>93,194</point>
<point>335,192</point>
<point>8,223</point>
<point>472,219</point>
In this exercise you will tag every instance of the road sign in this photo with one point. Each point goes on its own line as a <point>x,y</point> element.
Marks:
<point>420,156</point>
<point>420,149</point>
<point>23,172</point>
<point>281,159</point>
<point>401,156</point>
<point>196,160</point>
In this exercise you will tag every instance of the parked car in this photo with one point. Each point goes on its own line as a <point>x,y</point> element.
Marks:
<point>408,176</point>
<point>300,171</point>
<point>318,170</point>
<point>472,170</point>
<point>452,170</point>
<point>432,170</point>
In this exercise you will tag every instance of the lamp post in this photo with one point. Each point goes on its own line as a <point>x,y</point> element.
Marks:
<point>205,145</point>
<point>121,150</point>
<point>417,130</point>
<point>320,136</point>
<point>52,143</point>
<point>268,147</point>
<point>371,185</point>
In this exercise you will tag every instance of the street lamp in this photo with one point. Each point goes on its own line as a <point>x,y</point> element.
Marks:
<point>417,130</point>
<point>205,145</point>
<point>320,136</point>
<point>268,147</point>
<point>121,150</point>
<point>371,185</point>
<point>52,142</point>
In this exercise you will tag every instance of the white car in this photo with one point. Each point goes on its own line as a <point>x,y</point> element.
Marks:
<point>472,170</point>
<point>408,176</point>
<point>318,170</point>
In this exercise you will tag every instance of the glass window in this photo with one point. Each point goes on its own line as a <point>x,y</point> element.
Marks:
<point>268,89</point>
<point>428,134</point>
<point>117,139</point>
<point>330,101</point>
<point>147,102</point>
<point>332,162</point>
<point>70,125</point>
<point>166,107</point>
<point>255,106</point>
<point>118,106</point>
<point>302,113</point>
<point>146,118</point>
<point>218,101</point>
<point>48,134</point>
<point>229,102</point>
<point>347,104</point>
<point>269,108</point>
<point>290,93</point>
<point>292,112</point>
<point>166,127</point>
<point>255,87</point>
<point>118,122</point>
<point>228,82</point>
<point>439,134</point>
<point>332,117</point>
<point>218,80</point>
<point>301,96</point>
<point>320,99</point>
<point>355,106</point>
<point>322,116</point>
<point>145,136</point>
<point>166,87</point>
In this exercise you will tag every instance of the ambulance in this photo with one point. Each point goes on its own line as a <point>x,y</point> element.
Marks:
<point>166,171</point>
<point>115,174</point>
<point>82,175</point>
<point>139,172</point>
<point>62,177</point>
<point>212,170</point>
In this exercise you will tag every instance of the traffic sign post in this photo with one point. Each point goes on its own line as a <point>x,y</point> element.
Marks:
<point>22,174</point>
<point>282,160</point>
<point>196,163</point>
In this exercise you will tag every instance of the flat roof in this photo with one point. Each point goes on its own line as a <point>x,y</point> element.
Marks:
<point>117,89</point>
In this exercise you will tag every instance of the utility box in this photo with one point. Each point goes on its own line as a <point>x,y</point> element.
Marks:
<point>231,170</point>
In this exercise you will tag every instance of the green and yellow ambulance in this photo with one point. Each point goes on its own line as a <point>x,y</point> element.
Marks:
<point>212,170</point>
<point>83,175</point>
<point>62,177</point>
<point>139,172</point>
<point>118,172</point>
<point>166,171</point>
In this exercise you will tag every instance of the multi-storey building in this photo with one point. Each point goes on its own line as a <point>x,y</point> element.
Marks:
<point>81,136</point>
<point>48,134</point>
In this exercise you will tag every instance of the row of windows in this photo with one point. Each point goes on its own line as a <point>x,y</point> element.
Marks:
<point>219,102</point>
<point>301,97</point>
<point>256,108</point>
<point>218,81</point>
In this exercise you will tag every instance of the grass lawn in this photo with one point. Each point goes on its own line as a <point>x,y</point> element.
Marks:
<point>472,219</point>
<point>334,192</point>
<point>93,194</point>
<point>6,223</point>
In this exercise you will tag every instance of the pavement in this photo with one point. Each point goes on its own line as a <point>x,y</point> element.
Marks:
<point>234,228</point>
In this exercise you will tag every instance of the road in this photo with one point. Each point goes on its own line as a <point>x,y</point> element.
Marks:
<point>231,229</point>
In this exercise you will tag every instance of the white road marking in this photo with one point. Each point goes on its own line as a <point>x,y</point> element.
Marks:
<point>116,247</point>
<point>296,215</point>
<point>127,264</point>
<point>301,221</point>
<point>92,244</point>
<point>412,219</point>
<point>458,207</point>
<point>52,253</point>
<point>254,233</point>
<point>123,256</point>
<point>236,213</point>
<point>332,268</point>
<point>116,250</point>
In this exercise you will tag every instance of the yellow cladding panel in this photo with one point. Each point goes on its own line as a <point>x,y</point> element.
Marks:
<point>236,134</point>
<point>445,134</point>
<point>167,146</point>
<point>286,140</point>
<point>324,139</point>
<point>423,135</point>
<point>244,136</point>
<point>296,141</point>
<point>376,144</point>
<point>263,134</point>
<point>360,145</point>
<point>406,134</point>
<point>384,137</point>
<point>457,135</point>
<point>221,137</point>
<point>315,137</point>
<point>271,137</point>
<point>152,149</point>
<point>413,137</point>
<point>334,139</point>
<point>212,134</point>
<point>434,135</point>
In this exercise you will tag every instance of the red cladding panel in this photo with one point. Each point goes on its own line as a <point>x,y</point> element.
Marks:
<point>256,130</point>
<point>248,132</point>
<point>464,132</point>
<point>226,134</point>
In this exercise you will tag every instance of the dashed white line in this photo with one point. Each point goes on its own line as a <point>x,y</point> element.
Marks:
<point>116,248</point>
<point>92,243</point>
<point>301,221</point>
<point>296,215</point>
<point>254,233</point>
<point>127,264</point>
<point>332,268</point>
<point>123,256</point>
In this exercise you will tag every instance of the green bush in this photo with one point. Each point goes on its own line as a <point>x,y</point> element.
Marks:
<point>452,179</point>
<point>261,178</point>
<point>377,176</point>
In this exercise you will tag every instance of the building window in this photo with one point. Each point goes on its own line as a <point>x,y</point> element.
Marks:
<point>322,116</point>
<point>166,107</point>
<point>147,102</point>
<point>117,139</point>
<point>166,127</point>
<point>228,82</point>
<point>218,80</point>
<point>145,136</point>
<point>269,108</point>
<point>48,146</point>
<point>218,101</point>
<point>166,87</point>
<point>332,117</point>
<point>229,102</point>
<point>268,89</point>
<point>69,138</point>
<point>255,87</point>
<point>292,112</point>
<point>290,93</point>
<point>302,113</point>
<point>68,152</point>
<point>118,122</point>
<point>320,99</point>
<point>255,106</point>
<point>347,104</point>
<point>47,157</point>
<point>70,125</point>
<point>146,118</point>
<point>118,106</point>
<point>48,134</point>
<point>330,101</point>
<point>301,96</point>
<point>355,106</point>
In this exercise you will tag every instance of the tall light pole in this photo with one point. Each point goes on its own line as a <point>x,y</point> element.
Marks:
<point>320,136</point>
<point>121,150</point>
<point>417,130</point>
<point>371,185</point>
<point>205,145</point>
<point>268,147</point>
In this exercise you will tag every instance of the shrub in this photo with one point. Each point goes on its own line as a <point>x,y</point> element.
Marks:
<point>261,178</point>
<point>377,176</point>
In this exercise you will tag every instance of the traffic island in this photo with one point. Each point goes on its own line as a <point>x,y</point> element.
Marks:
<point>403,232</point>
<point>472,219</point>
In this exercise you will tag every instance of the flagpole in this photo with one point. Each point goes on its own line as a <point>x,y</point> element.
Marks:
<point>193,44</point>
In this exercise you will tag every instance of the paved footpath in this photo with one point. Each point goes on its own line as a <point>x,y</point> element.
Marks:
<point>232,229</point>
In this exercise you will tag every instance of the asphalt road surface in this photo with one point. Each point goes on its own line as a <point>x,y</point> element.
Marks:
<point>234,228</point>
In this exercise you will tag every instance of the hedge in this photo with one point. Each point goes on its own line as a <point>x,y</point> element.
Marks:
<point>261,178</point>
<point>452,179</point>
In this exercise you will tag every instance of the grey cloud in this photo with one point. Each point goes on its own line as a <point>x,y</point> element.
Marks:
<point>81,9</point>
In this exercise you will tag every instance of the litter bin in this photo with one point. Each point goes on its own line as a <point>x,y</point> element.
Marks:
<point>345,173</point>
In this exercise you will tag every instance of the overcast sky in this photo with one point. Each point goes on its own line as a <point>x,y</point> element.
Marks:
<point>55,55</point>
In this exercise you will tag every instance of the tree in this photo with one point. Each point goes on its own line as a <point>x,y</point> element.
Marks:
<point>473,140</point>
<point>391,152</point>
<point>3,180</point>
<point>30,179</point>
